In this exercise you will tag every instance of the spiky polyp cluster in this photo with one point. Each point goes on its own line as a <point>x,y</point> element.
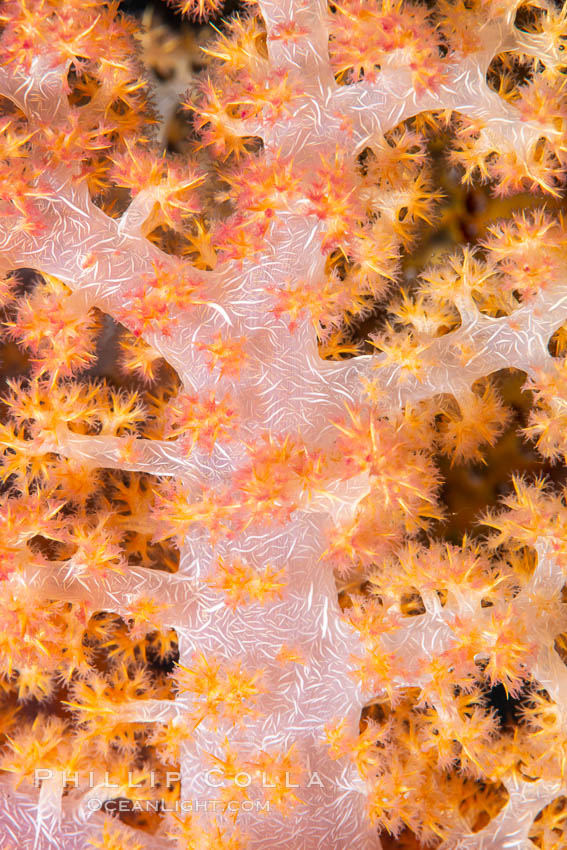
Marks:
<point>318,120</point>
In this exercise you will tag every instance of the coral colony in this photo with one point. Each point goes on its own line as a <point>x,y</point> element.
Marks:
<point>187,482</point>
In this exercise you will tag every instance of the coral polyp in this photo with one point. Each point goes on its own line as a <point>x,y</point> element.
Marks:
<point>172,637</point>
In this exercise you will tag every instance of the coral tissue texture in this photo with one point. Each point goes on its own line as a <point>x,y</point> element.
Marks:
<point>188,483</point>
